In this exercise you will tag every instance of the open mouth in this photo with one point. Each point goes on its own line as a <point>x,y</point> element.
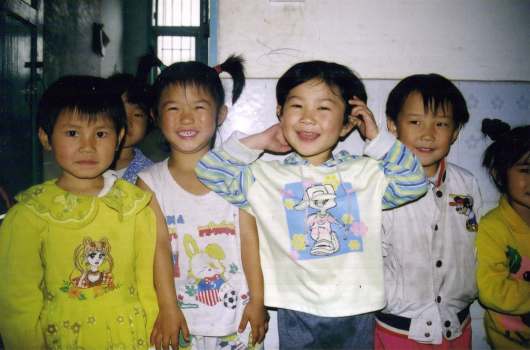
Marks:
<point>307,135</point>
<point>187,133</point>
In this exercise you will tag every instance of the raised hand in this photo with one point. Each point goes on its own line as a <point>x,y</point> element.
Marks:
<point>362,118</point>
<point>271,140</point>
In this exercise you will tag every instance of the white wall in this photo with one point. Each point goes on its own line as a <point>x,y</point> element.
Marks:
<point>487,41</point>
<point>465,40</point>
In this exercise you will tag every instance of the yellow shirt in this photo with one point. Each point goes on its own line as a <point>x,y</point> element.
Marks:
<point>77,271</point>
<point>503,277</point>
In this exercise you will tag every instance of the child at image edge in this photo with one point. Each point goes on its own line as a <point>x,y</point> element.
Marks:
<point>503,240</point>
<point>77,252</point>
<point>428,245</point>
<point>208,243</point>
<point>319,215</point>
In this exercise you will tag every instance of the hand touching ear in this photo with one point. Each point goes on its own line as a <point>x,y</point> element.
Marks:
<point>362,118</point>
<point>271,139</point>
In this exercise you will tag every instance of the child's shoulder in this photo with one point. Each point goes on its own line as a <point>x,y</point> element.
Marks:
<point>457,173</point>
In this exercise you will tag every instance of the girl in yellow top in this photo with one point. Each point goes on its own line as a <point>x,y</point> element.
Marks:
<point>503,240</point>
<point>77,252</point>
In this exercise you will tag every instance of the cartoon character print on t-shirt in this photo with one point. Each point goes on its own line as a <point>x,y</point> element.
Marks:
<point>323,218</point>
<point>173,241</point>
<point>516,326</point>
<point>464,205</point>
<point>208,278</point>
<point>93,270</point>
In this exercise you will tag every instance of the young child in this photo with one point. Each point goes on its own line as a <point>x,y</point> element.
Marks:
<point>503,240</point>
<point>204,229</point>
<point>136,100</point>
<point>428,245</point>
<point>76,253</point>
<point>319,215</point>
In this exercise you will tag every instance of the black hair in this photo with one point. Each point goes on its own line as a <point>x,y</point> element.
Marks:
<point>136,92</point>
<point>332,74</point>
<point>202,76</point>
<point>436,90</point>
<point>90,96</point>
<point>509,145</point>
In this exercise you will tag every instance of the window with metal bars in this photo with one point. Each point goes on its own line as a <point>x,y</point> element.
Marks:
<point>181,30</point>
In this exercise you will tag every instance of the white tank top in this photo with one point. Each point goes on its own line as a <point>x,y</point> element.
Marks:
<point>205,245</point>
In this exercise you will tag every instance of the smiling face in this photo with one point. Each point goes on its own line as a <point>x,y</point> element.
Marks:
<point>312,120</point>
<point>426,133</point>
<point>83,148</point>
<point>518,185</point>
<point>189,118</point>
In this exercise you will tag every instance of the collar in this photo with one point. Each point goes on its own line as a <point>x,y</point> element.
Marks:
<point>439,178</point>
<point>295,159</point>
<point>515,222</point>
<point>52,203</point>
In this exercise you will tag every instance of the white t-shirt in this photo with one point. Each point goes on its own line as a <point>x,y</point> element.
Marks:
<point>205,245</point>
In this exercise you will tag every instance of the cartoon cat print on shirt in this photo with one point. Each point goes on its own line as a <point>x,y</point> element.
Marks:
<point>323,219</point>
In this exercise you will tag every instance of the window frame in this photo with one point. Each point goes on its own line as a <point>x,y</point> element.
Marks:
<point>200,33</point>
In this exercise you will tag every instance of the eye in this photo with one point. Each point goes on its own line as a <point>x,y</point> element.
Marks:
<point>102,134</point>
<point>92,255</point>
<point>72,133</point>
<point>414,122</point>
<point>442,124</point>
<point>139,115</point>
<point>324,108</point>
<point>524,169</point>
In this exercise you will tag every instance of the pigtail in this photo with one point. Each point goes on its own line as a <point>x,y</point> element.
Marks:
<point>234,66</point>
<point>494,128</point>
<point>507,148</point>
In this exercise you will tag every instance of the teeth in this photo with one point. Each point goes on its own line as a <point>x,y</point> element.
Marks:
<point>187,133</point>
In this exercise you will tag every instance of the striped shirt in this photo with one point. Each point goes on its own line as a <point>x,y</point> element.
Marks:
<point>319,226</point>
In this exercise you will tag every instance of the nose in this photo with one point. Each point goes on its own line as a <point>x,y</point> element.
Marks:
<point>308,117</point>
<point>186,117</point>
<point>88,143</point>
<point>427,132</point>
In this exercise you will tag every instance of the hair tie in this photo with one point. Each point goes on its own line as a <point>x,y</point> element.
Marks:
<point>218,69</point>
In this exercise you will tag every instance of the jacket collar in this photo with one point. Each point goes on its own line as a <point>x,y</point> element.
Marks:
<point>295,159</point>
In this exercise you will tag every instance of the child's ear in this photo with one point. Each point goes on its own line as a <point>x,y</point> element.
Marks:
<point>44,140</point>
<point>391,126</point>
<point>121,134</point>
<point>279,111</point>
<point>221,115</point>
<point>455,135</point>
<point>347,128</point>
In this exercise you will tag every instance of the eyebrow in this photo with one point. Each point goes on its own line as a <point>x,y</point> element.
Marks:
<point>202,100</point>
<point>326,99</point>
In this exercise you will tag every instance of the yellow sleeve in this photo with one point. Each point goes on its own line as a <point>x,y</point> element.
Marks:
<point>21,275</point>
<point>144,243</point>
<point>497,290</point>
